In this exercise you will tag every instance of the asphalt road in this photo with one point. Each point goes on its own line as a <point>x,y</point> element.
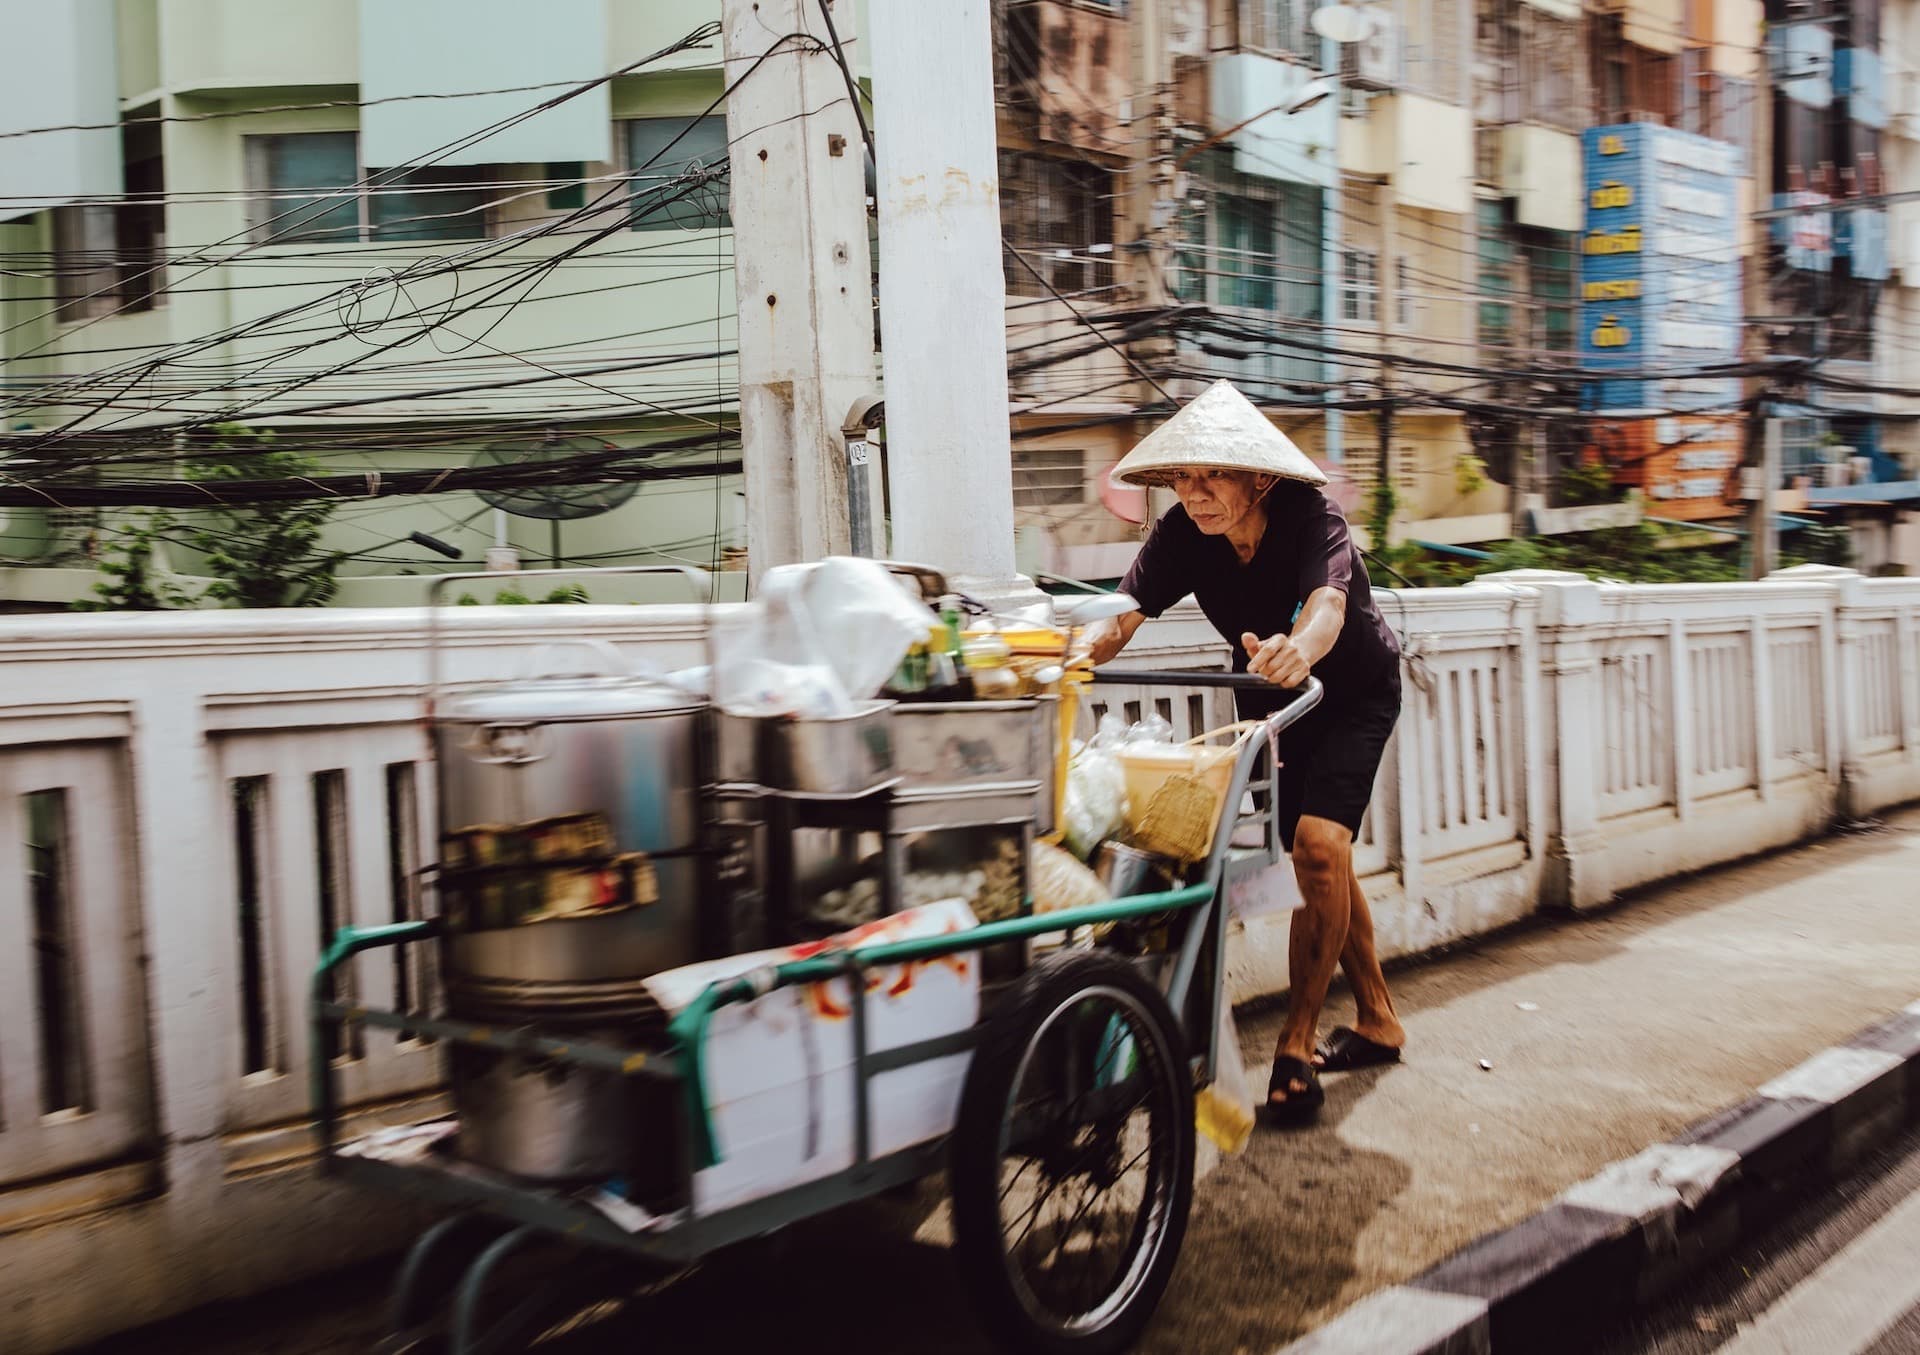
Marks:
<point>1839,1275</point>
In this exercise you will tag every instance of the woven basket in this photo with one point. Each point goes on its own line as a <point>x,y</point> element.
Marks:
<point>1177,793</point>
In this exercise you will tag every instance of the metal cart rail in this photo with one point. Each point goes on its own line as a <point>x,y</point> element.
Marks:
<point>1082,1068</point>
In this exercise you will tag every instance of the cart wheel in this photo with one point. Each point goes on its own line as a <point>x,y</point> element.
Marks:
<point>1072,1160</point>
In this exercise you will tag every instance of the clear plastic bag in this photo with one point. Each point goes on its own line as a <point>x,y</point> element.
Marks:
<point>1096,805</point>
<point>1154,728</point>
<point>1224,1109</point>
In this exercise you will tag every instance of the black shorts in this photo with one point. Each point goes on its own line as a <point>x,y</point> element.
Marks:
<point>1329,759</point>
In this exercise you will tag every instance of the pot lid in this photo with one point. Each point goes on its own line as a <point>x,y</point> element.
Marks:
<point>569,698</point>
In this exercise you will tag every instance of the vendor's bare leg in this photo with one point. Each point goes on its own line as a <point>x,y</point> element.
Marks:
<point>1373,1003</point>
<point>1323,865</point>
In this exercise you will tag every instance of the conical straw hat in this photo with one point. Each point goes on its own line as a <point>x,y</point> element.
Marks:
<point>1221,429</point>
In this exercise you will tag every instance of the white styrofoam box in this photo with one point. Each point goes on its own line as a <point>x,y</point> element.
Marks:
<point>779,1069</point>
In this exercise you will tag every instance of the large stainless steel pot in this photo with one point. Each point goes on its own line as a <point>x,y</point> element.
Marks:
<point>549,1121</point>
<point>559,744</point>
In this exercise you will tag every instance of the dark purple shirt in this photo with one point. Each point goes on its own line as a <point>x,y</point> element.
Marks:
<point>1306,547</point>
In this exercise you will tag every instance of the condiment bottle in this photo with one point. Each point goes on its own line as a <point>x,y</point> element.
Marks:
<point>990,663</point>
<point>950,676</point>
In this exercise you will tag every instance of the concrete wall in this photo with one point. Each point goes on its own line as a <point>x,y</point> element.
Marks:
<point>1562,741</point>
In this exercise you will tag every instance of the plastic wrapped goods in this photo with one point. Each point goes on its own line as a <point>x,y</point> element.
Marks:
<point>1058,881</point>
<point>817,641</point>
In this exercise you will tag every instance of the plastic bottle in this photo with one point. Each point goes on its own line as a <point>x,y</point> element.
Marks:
<point>989,661</point>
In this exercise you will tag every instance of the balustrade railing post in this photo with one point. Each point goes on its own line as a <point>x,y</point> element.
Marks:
<point>1680,694</point>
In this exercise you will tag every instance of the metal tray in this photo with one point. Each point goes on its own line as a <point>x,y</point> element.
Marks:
<point>839,755</point>
<point>963,744</point>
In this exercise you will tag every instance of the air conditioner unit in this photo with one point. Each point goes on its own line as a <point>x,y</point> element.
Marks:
<point>1376,61</point>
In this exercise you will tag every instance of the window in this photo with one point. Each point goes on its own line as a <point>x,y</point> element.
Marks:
<point>1360,286</point>
<point>307,186</point>
<point>1279,26</point>
<point>1245,265</point>
<point>679,173</point>
<point>1046,477</point>
<point>438,202</point>
<point>85,267</point>
<point>301,186</point>
<point>1403,310</point>
<point>1496,281</point>
<point>1058,216</point>
<point>1550,277</point>
<point>109,257</point>
<point>1256,249</point>
<point>567,191</point>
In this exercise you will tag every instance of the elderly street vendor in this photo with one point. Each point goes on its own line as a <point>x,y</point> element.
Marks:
<point>1269,560</point>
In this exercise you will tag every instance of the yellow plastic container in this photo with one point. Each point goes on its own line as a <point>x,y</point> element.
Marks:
<point>1184,823</point>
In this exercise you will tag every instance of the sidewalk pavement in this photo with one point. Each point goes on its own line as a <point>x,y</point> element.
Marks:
<point>1533,1062</point>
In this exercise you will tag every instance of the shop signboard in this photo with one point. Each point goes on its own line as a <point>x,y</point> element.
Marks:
<point>1660,273</point>
<point>1686,466</point>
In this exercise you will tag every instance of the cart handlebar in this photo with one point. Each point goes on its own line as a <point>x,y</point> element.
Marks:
<point>1200,677</point>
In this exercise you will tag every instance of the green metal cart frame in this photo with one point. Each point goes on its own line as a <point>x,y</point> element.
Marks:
<point>1157,1040</point>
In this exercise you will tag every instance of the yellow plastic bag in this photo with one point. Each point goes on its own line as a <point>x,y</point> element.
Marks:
<point>1224,1109</point>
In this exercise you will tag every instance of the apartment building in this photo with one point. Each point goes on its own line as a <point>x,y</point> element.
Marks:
<point>510,297</point>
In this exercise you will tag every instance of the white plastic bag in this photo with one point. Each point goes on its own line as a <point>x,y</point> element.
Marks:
<point>864,621</point>
<point>846,614</point>
<point>818,640</point>
<point>1096,802</point>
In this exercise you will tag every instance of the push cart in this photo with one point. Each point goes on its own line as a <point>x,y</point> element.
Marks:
<point>1070,1156</point>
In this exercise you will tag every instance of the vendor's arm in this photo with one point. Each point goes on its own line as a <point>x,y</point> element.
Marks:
<point>1326,570</point>
<point>1105,639</point>
<point>1286,660</point>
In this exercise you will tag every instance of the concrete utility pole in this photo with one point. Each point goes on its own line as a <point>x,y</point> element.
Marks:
<point>942,293</point>
<point>802,276</point>
<point>1151,206</point>
<point>1760,524</point>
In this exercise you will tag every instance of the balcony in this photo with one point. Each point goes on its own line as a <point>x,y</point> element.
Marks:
<point>1422,148</point>
<point>1540,170</point>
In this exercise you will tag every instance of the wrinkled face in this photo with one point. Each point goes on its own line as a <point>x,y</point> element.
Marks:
<point>1218,500</point>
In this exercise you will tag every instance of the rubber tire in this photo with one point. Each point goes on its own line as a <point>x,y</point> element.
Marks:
<point>975,1154</point>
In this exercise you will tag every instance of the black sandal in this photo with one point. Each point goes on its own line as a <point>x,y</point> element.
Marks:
<point>1299,1107</point>
<point>1347,1049</point>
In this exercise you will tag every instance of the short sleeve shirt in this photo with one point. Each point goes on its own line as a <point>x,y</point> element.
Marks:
<point>1306,547</point>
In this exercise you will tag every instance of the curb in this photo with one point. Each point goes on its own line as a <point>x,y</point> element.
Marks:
<point>1625,1235</point>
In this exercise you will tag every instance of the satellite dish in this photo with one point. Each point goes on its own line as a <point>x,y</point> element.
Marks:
<point>564,499</point>
<point>1343,24</point>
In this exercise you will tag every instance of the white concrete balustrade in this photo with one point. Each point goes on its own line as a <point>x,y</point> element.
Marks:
<point>188,803</point>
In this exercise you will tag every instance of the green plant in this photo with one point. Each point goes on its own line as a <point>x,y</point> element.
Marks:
<point>1588,483</point>
<point>134,581</point>
<point>268,554</point>
<point>511,596</point>
<point>1469,474</point>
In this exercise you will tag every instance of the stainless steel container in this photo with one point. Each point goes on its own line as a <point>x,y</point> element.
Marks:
<point>549,748</point>
<point>1127,871</point>
<point>546,1121</point>
<point>550,1121</point>
<point>824,755</point>
<point>968,745</point>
